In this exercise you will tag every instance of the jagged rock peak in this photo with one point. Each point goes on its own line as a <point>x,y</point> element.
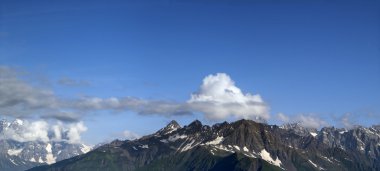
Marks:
<point>218,125</point>
<point>173,125</point>
<point>117,142</point>
<point>246,121</point>
<point>195,123</point>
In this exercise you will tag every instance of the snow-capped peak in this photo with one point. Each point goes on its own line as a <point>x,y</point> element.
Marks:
<point>85,148</point>
<point>19,122</point>
<point>172,126</point>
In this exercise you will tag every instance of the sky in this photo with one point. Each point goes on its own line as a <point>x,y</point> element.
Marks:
<point>122,69</point>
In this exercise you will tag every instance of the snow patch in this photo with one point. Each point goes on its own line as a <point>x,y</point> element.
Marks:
<point>249,155</point>
<point>49,156</point>
<point>13,161</point>
<point>315,165</point>
<point>221,147</point>
<point>172,128</point>
<point>85,148</point>
<point>266,156</point>
<point>326,159</point>
<point>245,149</point>
<point>14,152</point>
<point>342,132</point>
<point>40,160</point>
<point>313,134</point>
<point>176,137</point>
<point>19,121</point>
<point>216,141</point>
<point>237,147</point>
<point>32,159</point>
<point>170,131</point>
<point>144,146</point>
<point>189,146</point>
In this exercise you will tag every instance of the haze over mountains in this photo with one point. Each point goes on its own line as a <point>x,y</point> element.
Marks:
<point>240,145</point>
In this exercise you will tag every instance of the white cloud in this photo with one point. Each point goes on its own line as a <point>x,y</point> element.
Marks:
<point>346,122</point>
<point>218,98</point>
<point>282,117</point>
<point>40,130</point>
<point>130,135</point>
<point>309,121</point>
<point>74,132</point>
<point>27,131</point>
<point>57,130</point>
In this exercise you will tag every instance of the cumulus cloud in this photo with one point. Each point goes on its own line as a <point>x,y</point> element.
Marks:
<point>308,121</point>
<point>129,135</point>
<point>218,98</point>
<point>74,132</point>
<point>40,130</point>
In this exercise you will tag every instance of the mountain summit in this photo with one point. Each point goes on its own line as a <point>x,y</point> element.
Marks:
<point>240,145</point>
<point>172,126</point>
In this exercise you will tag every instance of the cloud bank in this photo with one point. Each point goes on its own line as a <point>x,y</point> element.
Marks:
<point>17,97</point>
<point>218,98</point>
<point>40,130</point>
<point>137,105</point>
<point>308,121</point>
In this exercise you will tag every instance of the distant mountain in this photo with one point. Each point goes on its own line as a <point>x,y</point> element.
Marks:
<point>17,156</point>
<point>241,145</point>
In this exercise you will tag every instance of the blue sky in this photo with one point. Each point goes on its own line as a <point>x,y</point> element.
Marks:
<point>314,58</point>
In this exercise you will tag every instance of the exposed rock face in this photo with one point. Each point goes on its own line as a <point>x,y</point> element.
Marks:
<point>241,145</point>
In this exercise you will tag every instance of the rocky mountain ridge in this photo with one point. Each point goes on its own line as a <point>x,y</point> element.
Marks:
<point>240,145</point>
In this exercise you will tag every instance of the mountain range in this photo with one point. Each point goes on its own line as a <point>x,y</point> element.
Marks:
<point>240,145</point>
